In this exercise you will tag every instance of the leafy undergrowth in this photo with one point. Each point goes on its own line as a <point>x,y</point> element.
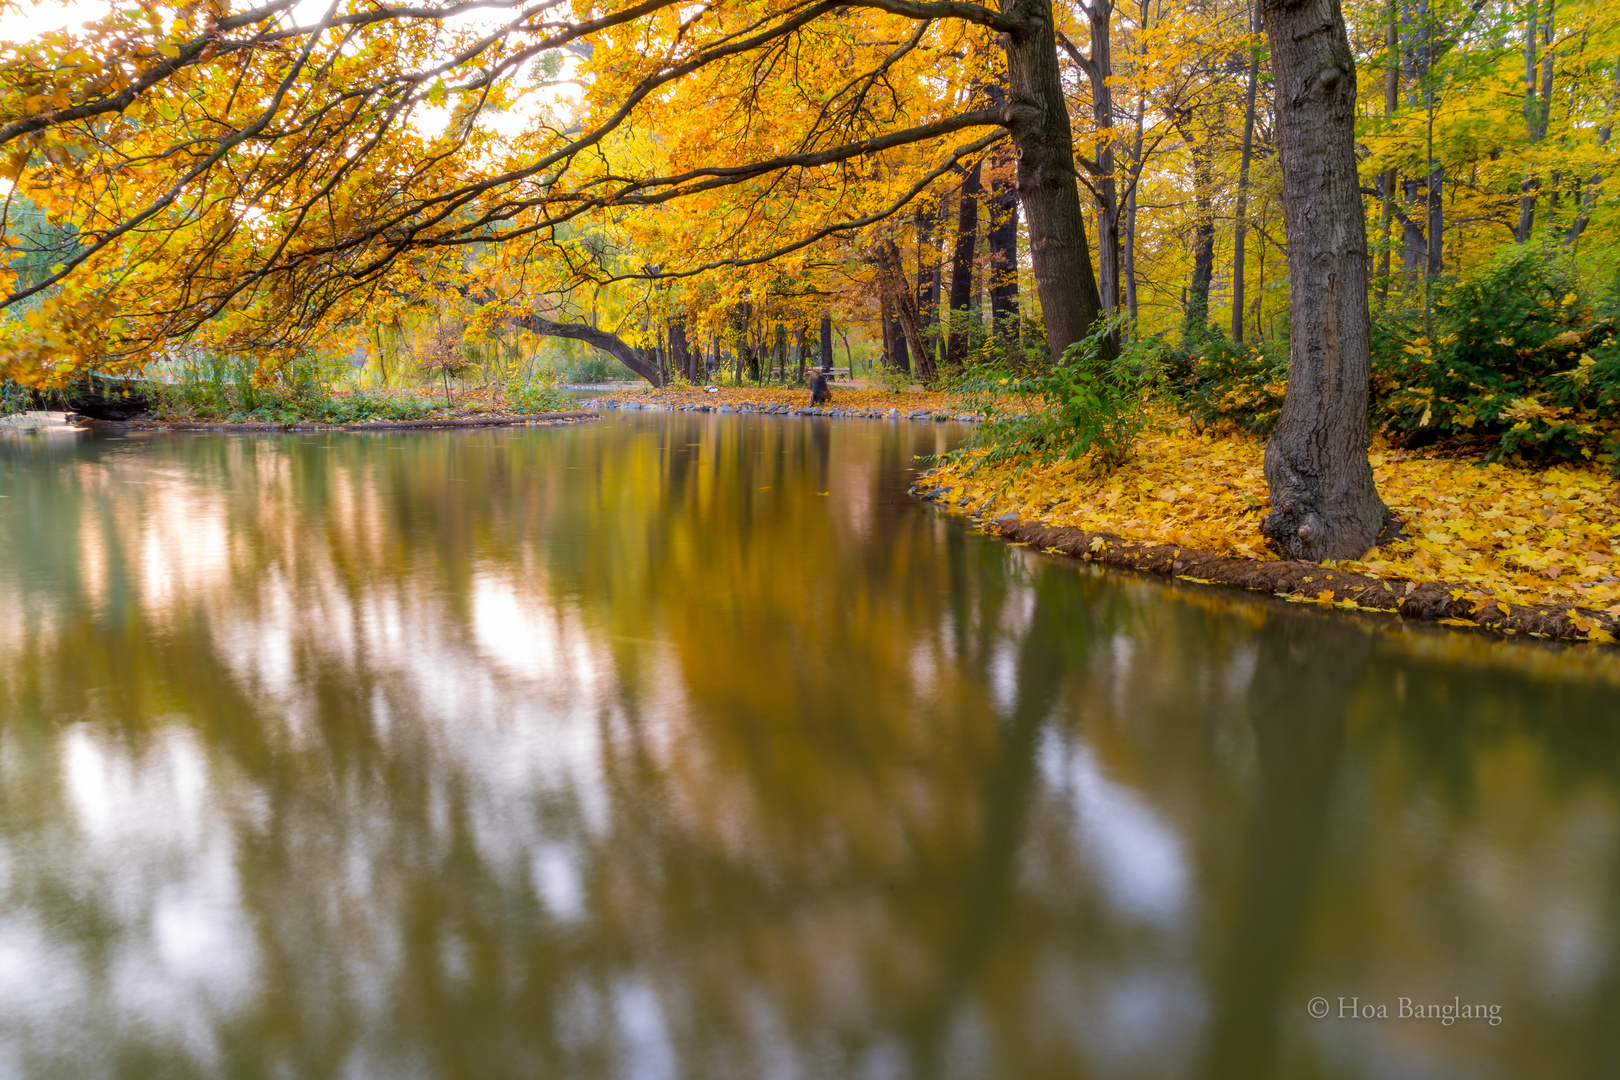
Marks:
<point>1504,533</point>
<point>367,406</point>
<point>843,397</point>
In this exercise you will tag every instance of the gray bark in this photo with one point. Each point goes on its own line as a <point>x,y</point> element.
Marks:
<point>1324,502</point>
<point>1048,186</point>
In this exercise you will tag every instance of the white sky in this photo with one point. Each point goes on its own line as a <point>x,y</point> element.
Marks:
<point>31,19</point>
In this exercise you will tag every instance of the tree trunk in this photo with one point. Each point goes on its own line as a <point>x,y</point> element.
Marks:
<point>1203,226</point>
<point>1038,119</point>
<point>826,342</point>
<point>1537,107</point>
<point>897,331</point>
<point>927,278</point>
<point>1240,221</point>
<point>907,332</point>
<point>1589,197</point>
<point>1128,240</point>
<point>1324,503</point>
<point>967,236</point>
<point>637,361</point>
<point>1099,69</point>
<point>1436,247</point>
<point>680,355</point>
<point>1386,182</point>
<point>1004,249</point>
<point>886,324</point>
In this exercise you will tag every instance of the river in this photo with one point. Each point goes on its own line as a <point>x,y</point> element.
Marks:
<point>680,745</point>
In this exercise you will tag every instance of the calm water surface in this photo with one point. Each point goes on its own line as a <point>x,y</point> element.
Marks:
<point>678,746</point>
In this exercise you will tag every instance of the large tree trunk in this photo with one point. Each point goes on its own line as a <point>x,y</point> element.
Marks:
<point>967,236</point>
<point>1324,503</point>
<point>826,342</point>
<point>1038,119</point>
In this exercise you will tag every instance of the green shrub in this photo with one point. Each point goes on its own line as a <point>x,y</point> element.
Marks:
<point>228,389</point>
<point>360,407</point>
<point>1516,361</point>
<point>892,379</point>
<point>13,398</point>
<point>1085,404</point>
<point>539,394</point>
<point>595,367</point>
<point>1221,380</point>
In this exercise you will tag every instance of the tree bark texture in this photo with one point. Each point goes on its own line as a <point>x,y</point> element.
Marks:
<point>907,333</point>
<point>1324,503</point>
<point>967,237</point>
<point>826,343</point>
<point>1003,237</point>
<point>1038,119</point>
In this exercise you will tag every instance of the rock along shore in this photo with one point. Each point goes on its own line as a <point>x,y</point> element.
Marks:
<point>772,408</point>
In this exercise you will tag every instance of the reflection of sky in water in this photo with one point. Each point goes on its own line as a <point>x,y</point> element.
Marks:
<point>411,778</point>
<point>1136,857</point>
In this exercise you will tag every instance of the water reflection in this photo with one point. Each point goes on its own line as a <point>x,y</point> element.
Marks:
<point>679,746</point>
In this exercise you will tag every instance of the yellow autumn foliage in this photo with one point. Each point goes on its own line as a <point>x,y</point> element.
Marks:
<point>1504,534</point>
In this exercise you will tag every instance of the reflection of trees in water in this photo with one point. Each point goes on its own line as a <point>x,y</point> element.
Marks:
<point>1308,674</point>
<point>592,752</point>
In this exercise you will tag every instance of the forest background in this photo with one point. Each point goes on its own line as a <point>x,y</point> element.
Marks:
<point>260,202</point>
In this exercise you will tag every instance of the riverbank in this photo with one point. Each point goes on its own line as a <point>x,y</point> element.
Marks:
<point>533,419</point>
<point>850,402</point>
<point>1513,550</point>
